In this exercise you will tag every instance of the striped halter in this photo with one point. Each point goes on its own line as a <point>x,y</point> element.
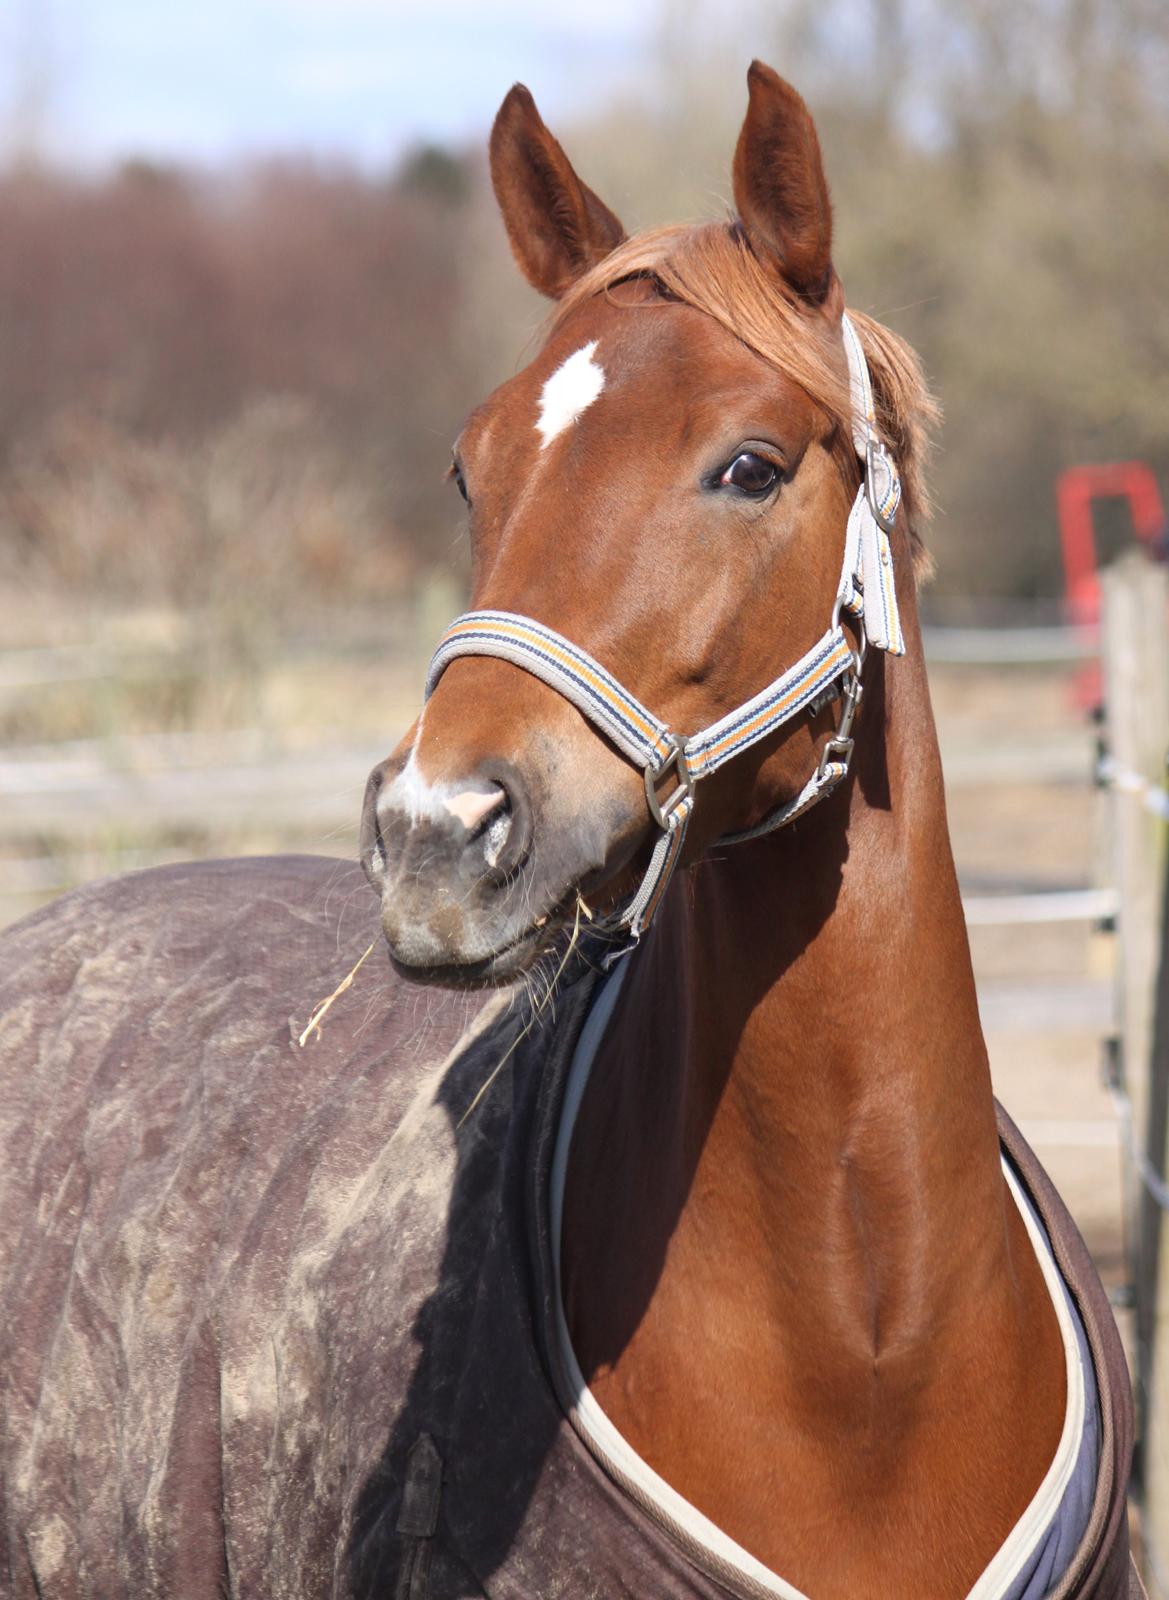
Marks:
<point>830,668</point>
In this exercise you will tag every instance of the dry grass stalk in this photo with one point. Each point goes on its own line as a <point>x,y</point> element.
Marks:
<point>313,1025</point>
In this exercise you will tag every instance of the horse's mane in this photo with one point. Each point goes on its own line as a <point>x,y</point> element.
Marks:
<point>711,267</point>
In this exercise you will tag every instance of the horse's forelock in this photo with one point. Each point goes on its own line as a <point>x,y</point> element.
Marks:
<point>712,268</point>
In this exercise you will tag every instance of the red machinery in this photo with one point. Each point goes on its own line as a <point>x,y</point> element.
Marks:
<point>1075,491</point>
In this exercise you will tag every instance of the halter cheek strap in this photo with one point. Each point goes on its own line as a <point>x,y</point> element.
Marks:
<point>830,668</point>
<point>870,521</point>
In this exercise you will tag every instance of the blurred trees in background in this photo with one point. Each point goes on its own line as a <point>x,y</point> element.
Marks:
<point>208,382</point>
<point>248,384</point>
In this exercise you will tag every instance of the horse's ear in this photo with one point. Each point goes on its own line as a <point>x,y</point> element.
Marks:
<point>557,226</point>
<point>780,189</point>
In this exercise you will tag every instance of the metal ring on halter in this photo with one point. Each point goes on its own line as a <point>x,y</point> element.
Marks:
<point>858,655</point>
<point>662,810</point>
<point>828,754</point>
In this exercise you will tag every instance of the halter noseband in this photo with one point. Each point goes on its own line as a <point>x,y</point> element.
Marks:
<point>866,591</point>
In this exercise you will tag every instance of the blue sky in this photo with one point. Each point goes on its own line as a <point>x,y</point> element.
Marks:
<point>209,80</point>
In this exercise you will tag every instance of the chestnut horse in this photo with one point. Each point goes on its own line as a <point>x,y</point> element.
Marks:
<point>793,1276</point>
<point>816,1333</point>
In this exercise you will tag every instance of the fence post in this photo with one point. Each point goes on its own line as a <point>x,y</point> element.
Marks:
<point>1135,650</point>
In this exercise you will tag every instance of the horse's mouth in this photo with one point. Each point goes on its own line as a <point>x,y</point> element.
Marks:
<point>552,934</point>
<point>501,967</point>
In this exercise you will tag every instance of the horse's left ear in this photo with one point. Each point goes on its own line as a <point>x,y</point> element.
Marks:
<point>557,226</point>
<point>780,189</point>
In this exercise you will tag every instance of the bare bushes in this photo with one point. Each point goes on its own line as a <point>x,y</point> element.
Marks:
<point>217,392</point>
<point>264,505</point>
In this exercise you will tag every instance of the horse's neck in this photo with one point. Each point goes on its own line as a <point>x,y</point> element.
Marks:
<point>784,1197</point>
<point>802,1034</point>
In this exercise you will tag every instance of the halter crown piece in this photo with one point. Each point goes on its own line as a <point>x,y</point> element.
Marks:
<point>830,668</point>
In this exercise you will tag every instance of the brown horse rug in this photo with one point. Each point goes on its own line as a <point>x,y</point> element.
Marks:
<point>277,1322</point>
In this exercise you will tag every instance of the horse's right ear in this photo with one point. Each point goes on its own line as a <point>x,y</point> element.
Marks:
<point>557,226</point>
<point>781,191</point>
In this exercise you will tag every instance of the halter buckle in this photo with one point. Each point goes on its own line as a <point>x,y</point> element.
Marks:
<point>662,811</point>
<point>875,451</point>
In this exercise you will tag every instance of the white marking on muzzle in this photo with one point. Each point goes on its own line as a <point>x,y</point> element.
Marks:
<point>570,390</point>
<point>412,794</point>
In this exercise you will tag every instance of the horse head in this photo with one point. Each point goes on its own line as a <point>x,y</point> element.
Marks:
<point>666,487</point>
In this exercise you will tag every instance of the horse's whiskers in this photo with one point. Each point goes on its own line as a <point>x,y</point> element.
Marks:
<point>538,1008</point>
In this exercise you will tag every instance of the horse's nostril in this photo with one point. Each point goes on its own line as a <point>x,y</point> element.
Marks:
<point>373,858</point>
<point>471,806</point>
<point>412,831</point>
<point>507,836</point>
<point>489,816</point>
<point>497,834</point>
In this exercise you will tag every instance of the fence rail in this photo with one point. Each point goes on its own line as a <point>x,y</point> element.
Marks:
<point>38,667</point>
<point>131,801</point>
<point>1010,647</point>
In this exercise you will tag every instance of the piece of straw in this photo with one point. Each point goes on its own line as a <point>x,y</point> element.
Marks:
<point>313,1025</point>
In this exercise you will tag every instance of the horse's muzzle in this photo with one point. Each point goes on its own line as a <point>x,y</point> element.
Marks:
<point>447,861</point>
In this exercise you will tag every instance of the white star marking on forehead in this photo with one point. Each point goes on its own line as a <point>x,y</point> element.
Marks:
<point>571,389</point>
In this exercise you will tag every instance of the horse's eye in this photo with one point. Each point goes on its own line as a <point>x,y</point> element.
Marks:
<point>751,474</point>
<point>460,482</point>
